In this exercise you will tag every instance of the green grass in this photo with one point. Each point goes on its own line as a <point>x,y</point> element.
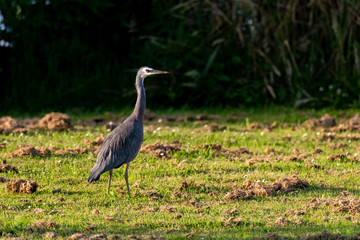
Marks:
<point>217,174</point>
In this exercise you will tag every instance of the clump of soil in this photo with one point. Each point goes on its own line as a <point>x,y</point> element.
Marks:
<point>338,146</point>
<point>38,211</point>
<point>161,150</point>
<point>274,236</point>
<point>289,184</point>
<point>79,236</point>
<point>231,212</point>
<point>258,159</point>
<point>293,158</point>
<point>50,235</point>
<point>41,226</point>
<point>21,186</point>
<point>352,124</point>
<point>2,145</point>
<point>256,189</point>
<point>3,180</point>
<point>185,185</point>
<point>149,116</point>
<point>272,158</point>
<point>8,168</point>
<point>269,150</point>
<point>97,142</point>
<point>29,123</point>
<point>95,145</point>
<point>318,150</point>
<point>29,151</point>
<point>168,209</point>
<point>217,149</point>
<point>151,193</point>
<point>341,203</point>
<point>55,121</point>
<point>323,235</point>
<point>69,151</point>
<point>190,118</point>
<point>325,121</point>
<point>214,127</point>
<point>7,124</point>
<point>231,221</point>
<point>281,221</point>
<point>336,156</point>
<point>331,136</point>
<point>254,126</point>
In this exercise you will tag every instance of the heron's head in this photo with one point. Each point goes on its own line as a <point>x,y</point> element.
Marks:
<point>147,71</point>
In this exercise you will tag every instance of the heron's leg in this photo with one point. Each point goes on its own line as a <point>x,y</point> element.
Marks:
<point>110,174</point>
<point>126,177</point>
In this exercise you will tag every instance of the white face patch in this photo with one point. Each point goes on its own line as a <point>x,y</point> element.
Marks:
<point>146,71</point>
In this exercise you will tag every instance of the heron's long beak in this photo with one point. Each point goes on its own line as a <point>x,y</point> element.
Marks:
<point>158,72</point>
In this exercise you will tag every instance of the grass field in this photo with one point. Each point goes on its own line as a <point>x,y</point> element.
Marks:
<point>180,194</point>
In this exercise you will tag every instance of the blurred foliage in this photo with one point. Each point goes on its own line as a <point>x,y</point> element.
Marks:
<point>84,53</point>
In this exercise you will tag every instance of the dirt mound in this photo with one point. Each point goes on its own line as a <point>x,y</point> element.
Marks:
<point>151,193</point>
<point>50,235</point>
<point>29,122</point>
<point>41,226</point>
<point>338,146</point>
<point>281,221</point>
<point>331,136</point>
<point>217,149</point>
<point>3,180</point>
<point>289,184</point>
<point>353,124</point>
<point>326,121</point>
<point>261,158</point>
<point>55,121</point>
<point>95,145</point>
<point>336,156</point>
<point>8,168</point>
<point>21,186</point>
<point>274,236</point>
<point>79,236</point>
<point>341,203</point>
<point>213,127</point>
<point>29,151</point>
<point>231,221</point>
<point>323,235</point>
<point>149,116</point>
<point>256,189</point>
<point>43,151</point>
<point>7,124</point>
<point>185,185</point>
<point>188,118</point>
<point>161,150</point>
<point>97,142</point>
<point>69,151</point>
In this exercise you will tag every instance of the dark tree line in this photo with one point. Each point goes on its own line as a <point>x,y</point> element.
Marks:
<point>84,53</point>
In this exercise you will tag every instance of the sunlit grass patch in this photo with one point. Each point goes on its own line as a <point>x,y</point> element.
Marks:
<point>180,193</point>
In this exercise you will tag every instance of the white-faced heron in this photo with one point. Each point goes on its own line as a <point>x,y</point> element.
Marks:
<point>123,144</point>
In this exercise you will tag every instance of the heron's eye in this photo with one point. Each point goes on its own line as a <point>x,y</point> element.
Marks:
<point>147,70</point>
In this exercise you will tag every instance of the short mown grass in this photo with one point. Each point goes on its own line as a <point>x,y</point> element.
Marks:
<point>88,208</point>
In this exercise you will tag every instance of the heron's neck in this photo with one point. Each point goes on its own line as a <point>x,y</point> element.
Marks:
<point>141,99</point>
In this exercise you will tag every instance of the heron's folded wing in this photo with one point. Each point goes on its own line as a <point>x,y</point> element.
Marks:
<point>117,148</point>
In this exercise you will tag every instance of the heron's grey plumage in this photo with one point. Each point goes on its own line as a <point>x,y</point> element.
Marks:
<point>123,144</point>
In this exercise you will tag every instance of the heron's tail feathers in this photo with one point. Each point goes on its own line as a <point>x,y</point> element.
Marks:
<point>94,176</point>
